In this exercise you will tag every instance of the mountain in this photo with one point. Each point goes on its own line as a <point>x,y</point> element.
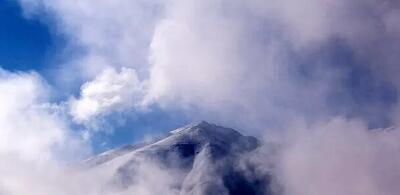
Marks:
<point>198,159</point>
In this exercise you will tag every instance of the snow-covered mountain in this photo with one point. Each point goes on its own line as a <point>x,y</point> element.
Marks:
<point>198,159</point>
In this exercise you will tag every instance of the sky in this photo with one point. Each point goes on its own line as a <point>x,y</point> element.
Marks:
<point>81,77</point>
<point>25,44</point>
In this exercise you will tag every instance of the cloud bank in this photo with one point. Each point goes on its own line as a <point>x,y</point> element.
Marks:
<point>276,61</point>
<point>341,157</point>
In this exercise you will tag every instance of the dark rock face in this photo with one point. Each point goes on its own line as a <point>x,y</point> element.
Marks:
<point>207,154</point>
<point>237,183</point>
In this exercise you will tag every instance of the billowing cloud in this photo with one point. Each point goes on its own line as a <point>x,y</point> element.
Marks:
<point>34,135</point>
<point>104,33</point>
<point>276,61</point>
<point>109,92</point>
<point>31,127</point>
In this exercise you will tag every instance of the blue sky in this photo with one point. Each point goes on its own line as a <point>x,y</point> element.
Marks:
<point>24,44</point>
<point>138,127</point>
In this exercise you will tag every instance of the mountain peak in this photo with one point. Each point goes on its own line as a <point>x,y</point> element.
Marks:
<point>197,150</point>
<point>193,125</point>
<point>202,123</point>
<point>206,129</point>
<point>196,135</point>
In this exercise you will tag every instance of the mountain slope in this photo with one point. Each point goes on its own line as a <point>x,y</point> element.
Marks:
<point>203,159</point>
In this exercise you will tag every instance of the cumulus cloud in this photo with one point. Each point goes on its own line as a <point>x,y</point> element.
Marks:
<point>111,91</point>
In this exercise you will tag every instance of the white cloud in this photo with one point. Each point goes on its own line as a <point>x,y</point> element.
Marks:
<point>109,33</point>
<point>228,61</point>
<point>34,138</point>
<point>111,91</point>
<point>340,157</point>
<point>29,127</point>
<point>274,61</point>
